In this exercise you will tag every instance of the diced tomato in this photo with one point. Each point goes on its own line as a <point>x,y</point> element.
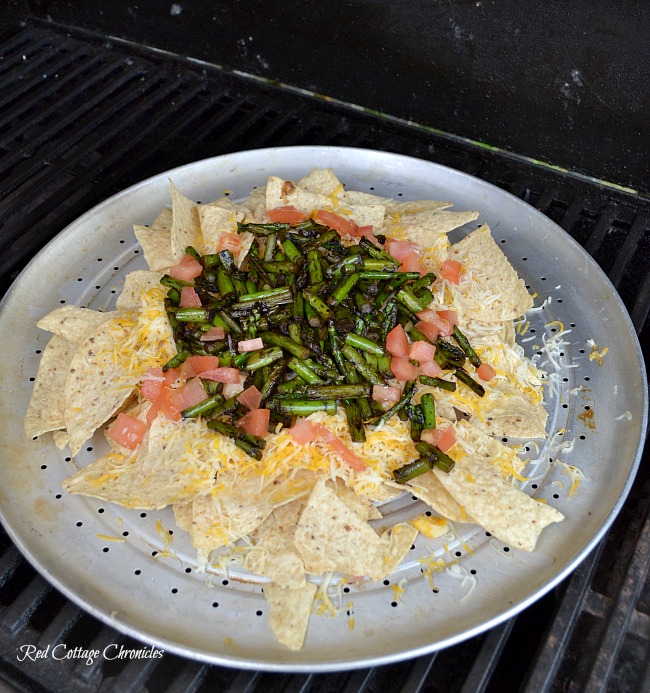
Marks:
<point>303,432</point>
<point>336,444</point>
<point>412,263</point>
<point>366,232</point>
<point>422,351</point>
<point>450,270</point>
<point>250,345</point>
<point>223,374</point>
<point>334,221</point>
<point>152,413</point>
<point>213,334</point>
<point>172,375</point>
<point>251,398</point>
<point>186,371</point>
<point>152,383</point>
<point>428,329</point>
<point>228,241</point>
<point>400,249</point>
<point>442,320</point>
<point>386,393</point>
<point>256,422</point>
<point>189,394</point>
<point>431,368</point>
<point>127,431</point>
<point>485,371</point>
<point>187,269</point>
<point>443,438</point>
<point>403,369</point>
<point>189,298</point>
<point>450,315</point>
<point>397,343</point>
<point>427,315</point>
<point>202,363</point>
<point>167,406</point>
<point>285,215</point>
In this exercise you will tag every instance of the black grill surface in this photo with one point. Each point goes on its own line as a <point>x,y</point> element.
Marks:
<point>82,118</point>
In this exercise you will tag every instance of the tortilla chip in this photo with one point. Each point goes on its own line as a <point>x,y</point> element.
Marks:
<point>281,192</point>
<point>186,229</point>
<point>275,555</point>
<point>46,406</point>
<point>153,477</point>
<point>135,284</point>
<point>329,535</point>
<point>98,382</point>
<point>397,208</point>
<point>60,439</point>
<point>512,416</point>
<point>428,489</point>
<point>400,539</point>
<point>499,507</point>
<point>499,294</point>
<point>322,181</point>
<point>362,506</point>
<point>156,245</point>
<point>183,515</point>
<point>216,220</point>
<point>220,523</point>
<point>74,324</point>
<point>289,612</point>
<point>367,215</point>
<point>422,227</point>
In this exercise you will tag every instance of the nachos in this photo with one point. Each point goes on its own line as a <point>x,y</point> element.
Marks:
<point>293,360</point>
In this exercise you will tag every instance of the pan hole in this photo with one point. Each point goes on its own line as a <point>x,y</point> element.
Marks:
<point>258,612</point>
<point>137,572</point>
<point>174,590</point>
<point>80,523</point>
<point>215,605</point>
<point>393,604</point>
<point>105,549</point>
<point>224,582</point>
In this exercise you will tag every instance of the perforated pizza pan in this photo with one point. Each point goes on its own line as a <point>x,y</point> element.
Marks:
<point>127,568</point>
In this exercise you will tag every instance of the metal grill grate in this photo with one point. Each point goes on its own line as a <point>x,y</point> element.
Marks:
<point>82,119</point>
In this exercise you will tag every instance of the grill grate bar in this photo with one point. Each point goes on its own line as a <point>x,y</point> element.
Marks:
<point>602,228</point>
<point>640,226</point>
<point>29,599</point>
<point>621,613</point>
<point>64,621</point>
<point>57,144</point>
<point>189,679</point>
<point>90,672</point>
<point>135,674</point>
<point>484,663</point>
<point>418,674</point>
<point>243,682</point>
<point>11,562</point>
<point>549,659</point>
<point>83,71</point>
<point>45,85</point>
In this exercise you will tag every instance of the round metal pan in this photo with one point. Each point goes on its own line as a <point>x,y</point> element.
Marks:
<point>119,564</point>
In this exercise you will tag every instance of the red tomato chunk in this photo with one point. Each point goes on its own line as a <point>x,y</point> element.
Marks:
<point>127,431</point>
